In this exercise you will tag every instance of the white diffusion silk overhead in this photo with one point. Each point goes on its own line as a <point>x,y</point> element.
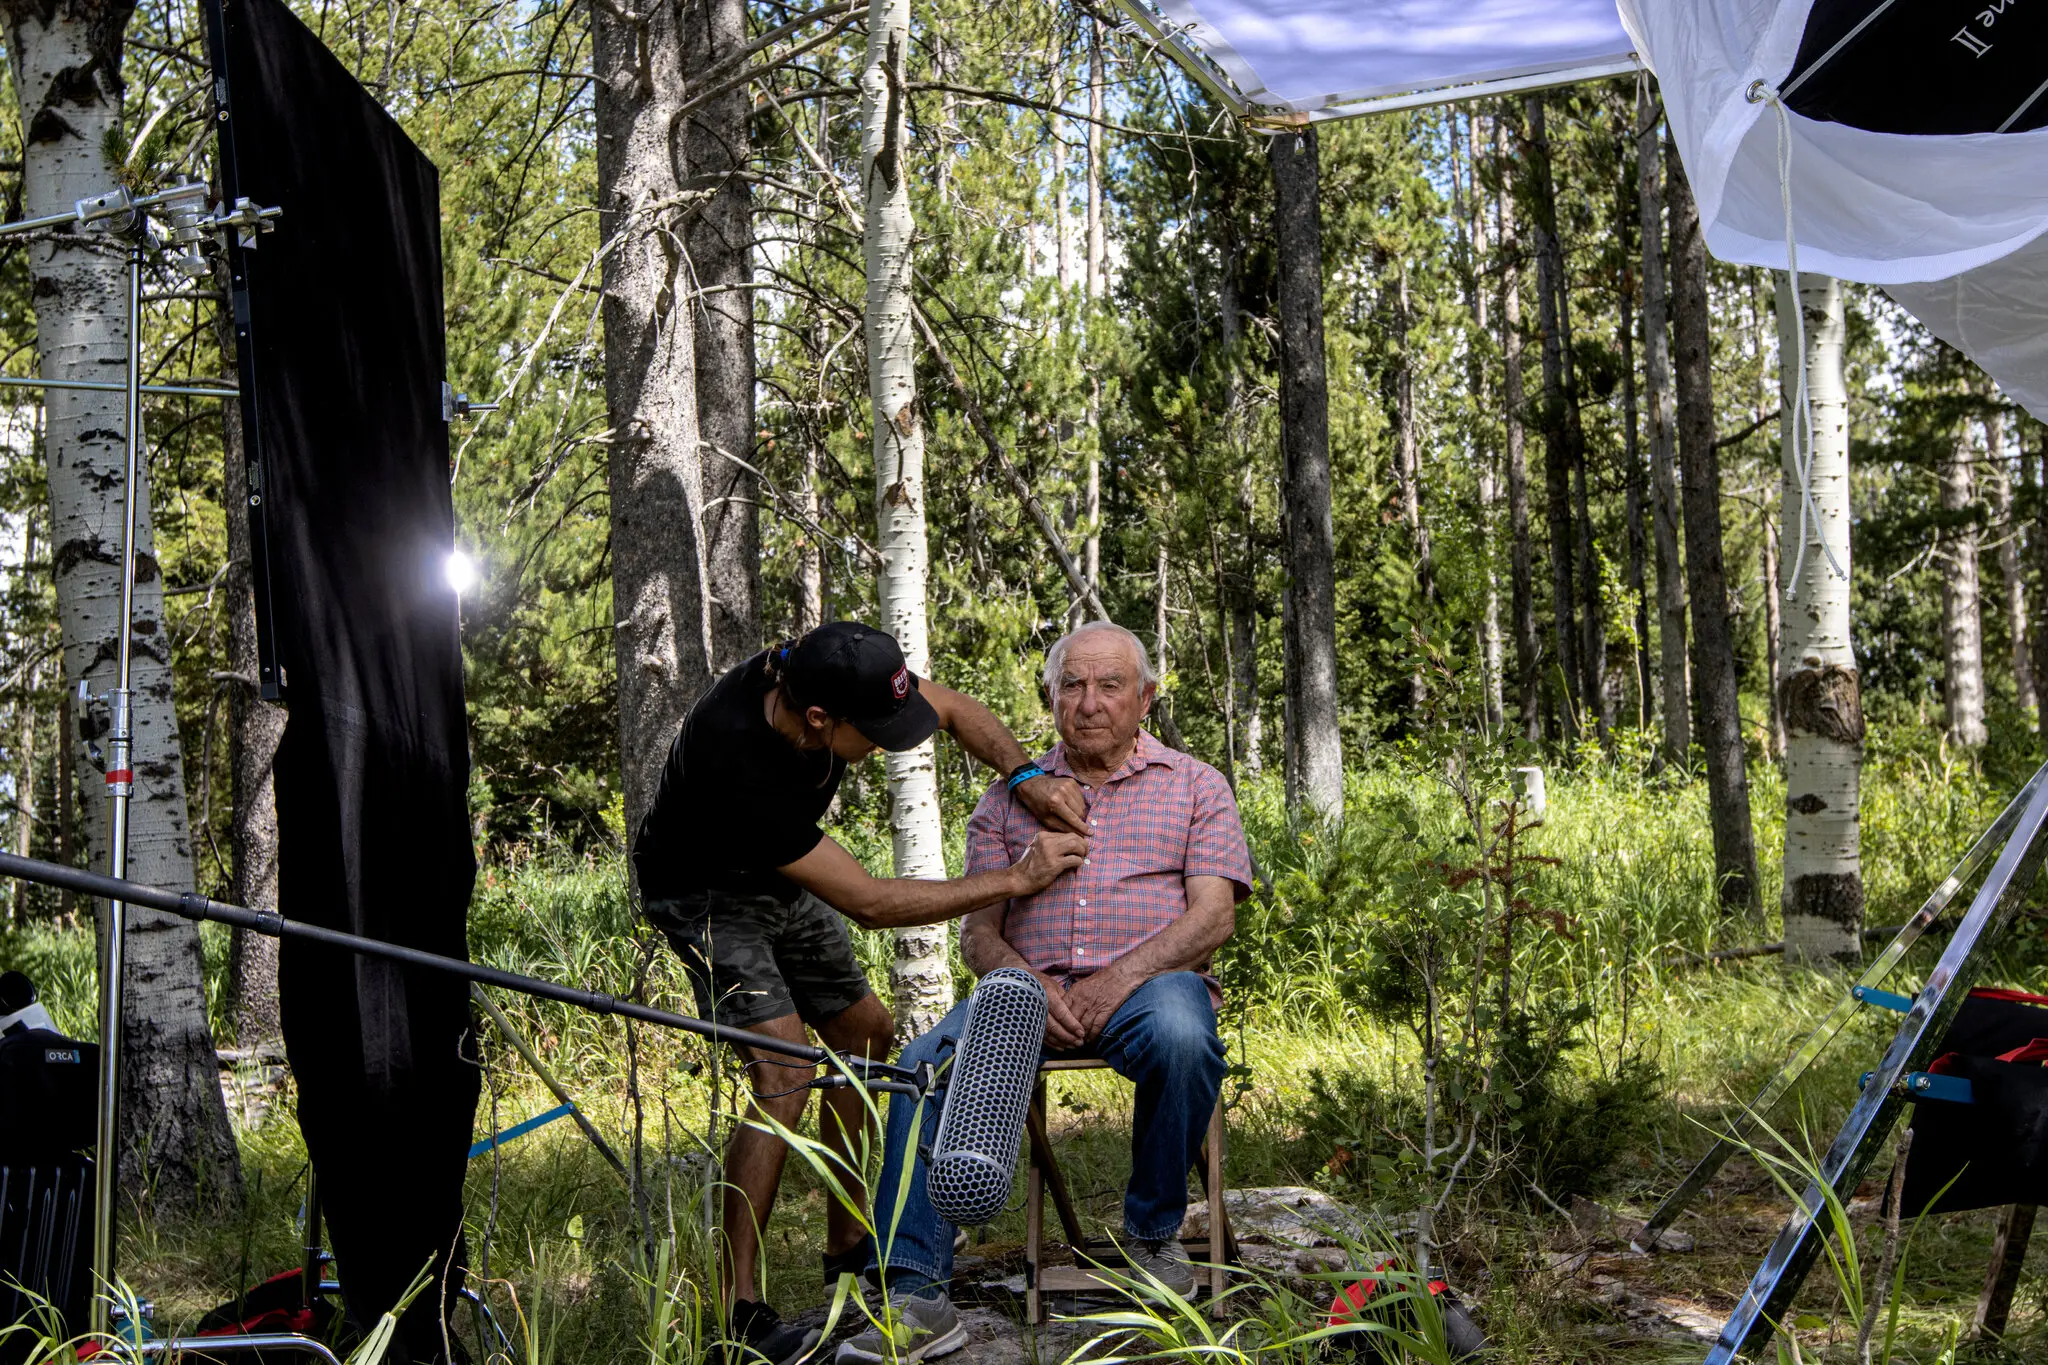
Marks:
<point>1951,223</point>
<point>1305,55</point>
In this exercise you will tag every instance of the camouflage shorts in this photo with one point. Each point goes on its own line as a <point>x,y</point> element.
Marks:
<point>756,958</point>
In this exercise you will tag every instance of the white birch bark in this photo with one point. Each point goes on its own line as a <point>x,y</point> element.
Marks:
<point>66,59</point>
<point>921,978</point>
<point>1962,629</point>
<point>1821,696</point>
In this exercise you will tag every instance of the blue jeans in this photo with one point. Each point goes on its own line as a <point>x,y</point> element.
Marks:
<point>1163,1038</point>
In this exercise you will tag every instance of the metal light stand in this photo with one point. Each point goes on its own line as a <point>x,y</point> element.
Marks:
<point>120,788</point>
<point>192,224</point>
<point>1899,1079</point>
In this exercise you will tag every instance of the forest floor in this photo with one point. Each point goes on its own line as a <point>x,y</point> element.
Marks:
<point>550,1225</point>
<point>552,1230</point>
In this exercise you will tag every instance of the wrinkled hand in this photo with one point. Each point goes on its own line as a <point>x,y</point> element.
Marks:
<point>1057,802</point>
<point>1049,856</point>
<point>1094,998</point>
<point>1062,1029</point>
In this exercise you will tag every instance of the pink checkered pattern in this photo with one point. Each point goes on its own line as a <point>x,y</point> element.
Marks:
<point>1158,819</point>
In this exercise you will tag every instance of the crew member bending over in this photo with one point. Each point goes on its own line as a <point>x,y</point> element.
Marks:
<point>1122,948</point>
<point>736,872</point>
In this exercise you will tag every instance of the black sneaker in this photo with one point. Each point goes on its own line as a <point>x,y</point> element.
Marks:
<point>759,1336</point>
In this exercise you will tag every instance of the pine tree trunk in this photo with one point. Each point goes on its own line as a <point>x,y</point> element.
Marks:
<point>1713,645</point>
<point>1091,504</point>
<point>2011,574</point>
<point>1962,630</point>
<point>1237,602</point>
<point>1774,627</point>
<point>1822,695</point>
<point>1557,453</point>
<point>1663,416</point>
<point>1632,456</point>
<point>1315,738</point>
<point>720,242</point>
<point>66,62</point>
<point>255,729</point>
<point>656,478</point>
<point>2034,476</point>
<point>1521,574</point>
<point>921,977</point>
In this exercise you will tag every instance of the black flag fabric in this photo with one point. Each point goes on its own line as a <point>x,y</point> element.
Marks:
<point>341,355</point>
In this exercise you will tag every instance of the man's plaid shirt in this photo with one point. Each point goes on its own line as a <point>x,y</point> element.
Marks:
<point>1160,818</point>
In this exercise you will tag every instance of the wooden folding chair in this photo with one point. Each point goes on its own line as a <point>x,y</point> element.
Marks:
<point>1045,1175</point>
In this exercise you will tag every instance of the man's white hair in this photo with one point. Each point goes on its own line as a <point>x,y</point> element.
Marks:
<point>1056,657</point>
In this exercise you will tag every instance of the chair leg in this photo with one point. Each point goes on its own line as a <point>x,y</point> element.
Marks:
<point>1055,1179</point>
<point>1218,1229</point>
<point>1034,1211</point>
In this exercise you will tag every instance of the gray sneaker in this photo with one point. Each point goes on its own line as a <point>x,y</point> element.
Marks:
<point>1166,1262</point>
<point>922,1329</point>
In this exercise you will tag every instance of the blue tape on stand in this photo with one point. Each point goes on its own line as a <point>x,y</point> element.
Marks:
<point>1925,1085</point>
<point>560,1111</point>
<point>1871,995</point>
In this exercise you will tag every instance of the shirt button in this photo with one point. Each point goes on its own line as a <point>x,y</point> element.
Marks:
<point>1084,904</point>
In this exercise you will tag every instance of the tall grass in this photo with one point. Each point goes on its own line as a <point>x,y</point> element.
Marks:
<point>578,1277</point>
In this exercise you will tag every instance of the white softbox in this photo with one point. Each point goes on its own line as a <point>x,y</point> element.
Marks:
<point>1919,159</point>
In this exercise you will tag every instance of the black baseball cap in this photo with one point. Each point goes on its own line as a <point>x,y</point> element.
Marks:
<point>857,674</point>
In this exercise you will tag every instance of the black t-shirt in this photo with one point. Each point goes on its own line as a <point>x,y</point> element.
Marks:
<point>736,800</point>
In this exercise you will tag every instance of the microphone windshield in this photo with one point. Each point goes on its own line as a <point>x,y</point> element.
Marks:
<point>981,1124</point>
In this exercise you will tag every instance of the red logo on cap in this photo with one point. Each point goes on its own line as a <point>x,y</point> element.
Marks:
<point>900,684</point>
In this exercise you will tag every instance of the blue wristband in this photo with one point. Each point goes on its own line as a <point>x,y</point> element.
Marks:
<point>1023,775</point>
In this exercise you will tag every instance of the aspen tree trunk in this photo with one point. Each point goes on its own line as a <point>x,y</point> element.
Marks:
<point>921,977</point>
<point>2011,574</point>
<point>25,754</point>
<point>1472,221</point>
<point>1663,435</point>
<point>66,62</point>
<point>1521,575</point>
<point>1163,722</point>
<point>719,239</point>
<point>1063,256</point>
<point>64,805</point>
<point>1311,604</point>
<point>810,601</point>
<point>1962,630</point>
<point>1557,454</point>
<point>1821,695</point>
<point>1713,654</point>
<point>255,729</point>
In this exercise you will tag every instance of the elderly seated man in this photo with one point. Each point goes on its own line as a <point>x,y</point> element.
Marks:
<point>1121,943</point>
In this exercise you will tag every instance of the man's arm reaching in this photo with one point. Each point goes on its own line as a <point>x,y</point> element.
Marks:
<point>1056,801</point>
<point>836,877</point>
